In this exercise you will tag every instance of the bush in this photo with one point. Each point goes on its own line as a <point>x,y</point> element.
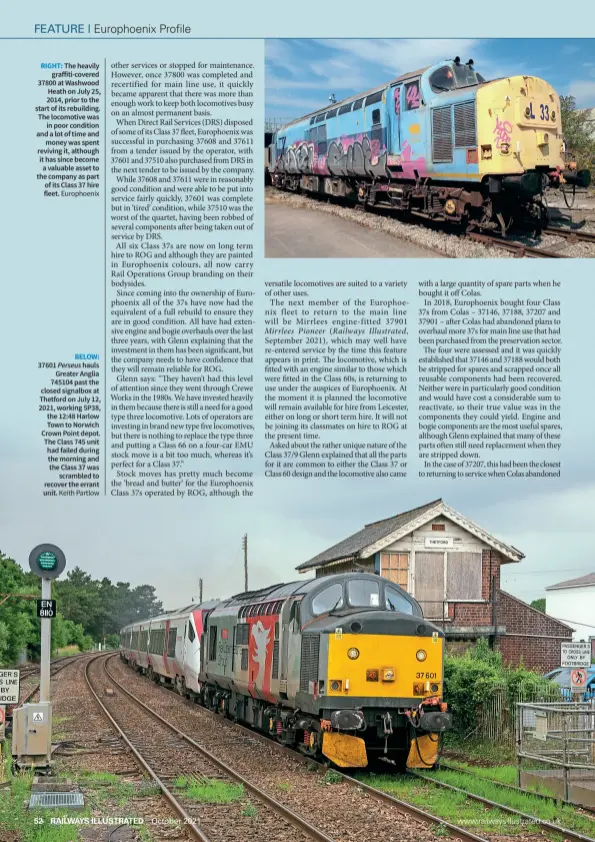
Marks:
<point>471,679</point>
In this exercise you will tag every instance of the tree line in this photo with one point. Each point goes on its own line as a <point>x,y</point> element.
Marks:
<point>89,610</point>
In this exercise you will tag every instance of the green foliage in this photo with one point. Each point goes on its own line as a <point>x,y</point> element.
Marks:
<point>88,610</point>
<point>470,680</point>
<point>539,605</point>
<point>579,141</point>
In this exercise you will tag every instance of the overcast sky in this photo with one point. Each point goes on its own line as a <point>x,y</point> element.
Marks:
<point>301,74</point>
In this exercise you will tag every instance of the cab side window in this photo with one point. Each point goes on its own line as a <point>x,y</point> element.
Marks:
<point>412,96</point>
<point>328,599</point>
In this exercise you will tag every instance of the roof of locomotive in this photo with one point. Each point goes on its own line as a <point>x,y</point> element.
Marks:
<point>347,99</point>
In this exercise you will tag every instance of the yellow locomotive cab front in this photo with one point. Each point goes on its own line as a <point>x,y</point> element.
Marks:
<point>519,127</point>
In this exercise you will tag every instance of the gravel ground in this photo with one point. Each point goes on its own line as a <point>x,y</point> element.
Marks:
<point>447,244</point>
<point>342,811</point>
<point>171,757</point>
<point>88,749</point>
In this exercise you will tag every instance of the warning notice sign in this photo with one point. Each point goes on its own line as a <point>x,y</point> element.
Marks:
<point>9,687</point>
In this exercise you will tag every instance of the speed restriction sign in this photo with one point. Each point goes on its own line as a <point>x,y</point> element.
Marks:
<point>578,679</point>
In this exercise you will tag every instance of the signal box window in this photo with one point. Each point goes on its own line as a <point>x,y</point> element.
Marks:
<point>213,643</point>
<point>442,80</point>
<point>395,568</point>
<point>362,593</point>
<point>328,599</point>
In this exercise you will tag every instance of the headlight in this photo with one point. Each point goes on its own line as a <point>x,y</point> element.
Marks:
<point>421,655</point>
<point>353,653</point>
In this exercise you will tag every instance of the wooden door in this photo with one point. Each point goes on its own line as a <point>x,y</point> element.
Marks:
<point>429,583</point>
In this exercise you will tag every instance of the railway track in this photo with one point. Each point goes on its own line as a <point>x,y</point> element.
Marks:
<point>149,737</point>
<point>56,666</point>
<point>402,807</point>
<point>568,835</point>
<point>518,249</point>
<point>570,234</point>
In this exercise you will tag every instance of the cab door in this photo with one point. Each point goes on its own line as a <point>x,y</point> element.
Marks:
<point>394,106</point>
<point>411,121</point>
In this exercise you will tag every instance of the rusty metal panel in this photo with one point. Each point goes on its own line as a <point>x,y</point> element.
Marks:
<point>463,576</point>
<point>429,583</point>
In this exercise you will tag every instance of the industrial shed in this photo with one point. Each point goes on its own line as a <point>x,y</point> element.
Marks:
<point>452,568</point>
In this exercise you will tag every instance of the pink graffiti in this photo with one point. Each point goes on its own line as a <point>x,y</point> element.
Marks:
<point>397,101</point>
<point>502,131</point>
<point>411,164</point>
<point>412,96</point>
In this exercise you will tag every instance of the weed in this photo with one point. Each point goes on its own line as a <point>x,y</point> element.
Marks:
<point>332,777</point>
<point>210,791</point>
<point>285,787</point>
<point>250,810</point>
<point>440,830</point>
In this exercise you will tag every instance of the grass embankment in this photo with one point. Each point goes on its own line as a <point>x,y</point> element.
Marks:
<point>456,808</point>
<point>525,802</point>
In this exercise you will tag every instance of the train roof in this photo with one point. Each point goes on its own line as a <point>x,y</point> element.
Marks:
<point>395,81</point>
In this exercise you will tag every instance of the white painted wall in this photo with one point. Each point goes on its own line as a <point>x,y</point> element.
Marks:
<point>574,606</point>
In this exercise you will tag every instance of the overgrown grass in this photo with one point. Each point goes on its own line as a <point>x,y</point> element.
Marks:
<point>332,777</point>
<point>209,791</point>
<point>490,754</point>
<point>453,807</point>
<point>525,802</point>
<point>33,825</point>
<point>250,810</point>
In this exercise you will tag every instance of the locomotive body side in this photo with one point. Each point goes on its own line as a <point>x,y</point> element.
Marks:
<point>440,142</point>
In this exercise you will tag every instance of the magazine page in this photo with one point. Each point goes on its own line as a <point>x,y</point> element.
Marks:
<point>297,477</point>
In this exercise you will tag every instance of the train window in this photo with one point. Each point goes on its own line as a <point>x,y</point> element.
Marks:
<point>412,96</point>
<point>345,108</point>
<point>171,643</point>
<point>295,615</point>
<point>332,113</point>
<point>328,599</point>
<point>212,643</point>
<point>242,634</point>
<point>321,133</point>
<point>244,660</point>
<point>362,593</point>
<point>320,118</point>
<point>466,75</point>
<point>191,633</point>
<point>396,601</point>
<point>312,119</point>
<point>376,117</point>
<point>442,80</point>
<point>358,104</point>
<point>372,98</point>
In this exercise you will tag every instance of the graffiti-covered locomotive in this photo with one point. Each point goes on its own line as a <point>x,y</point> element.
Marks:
<point>441,142</point>
<point>344,666</point>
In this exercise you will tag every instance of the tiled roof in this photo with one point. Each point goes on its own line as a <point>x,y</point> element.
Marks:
<point>581,582</point>
<point>370,539</point>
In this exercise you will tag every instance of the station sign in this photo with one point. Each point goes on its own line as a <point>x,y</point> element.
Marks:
<point>576,655</point>
<point>9,687</point>
<point>46,608</point>
<point>578,679</point>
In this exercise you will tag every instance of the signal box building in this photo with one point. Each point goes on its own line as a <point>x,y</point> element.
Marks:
<point>452,568</point>
<point>574,600</point>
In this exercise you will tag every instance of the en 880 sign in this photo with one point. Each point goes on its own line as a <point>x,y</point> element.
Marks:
<point>47,561</point>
